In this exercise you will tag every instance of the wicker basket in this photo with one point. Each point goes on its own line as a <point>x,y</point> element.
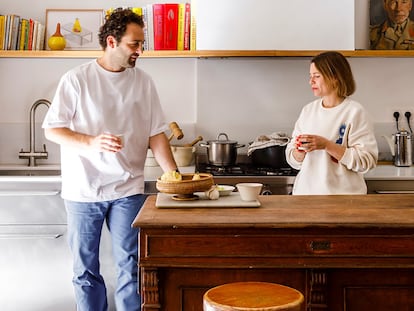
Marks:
<point>186,186</point>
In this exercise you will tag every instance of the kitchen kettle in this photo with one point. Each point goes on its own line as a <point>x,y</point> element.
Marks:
<point>401,148</point>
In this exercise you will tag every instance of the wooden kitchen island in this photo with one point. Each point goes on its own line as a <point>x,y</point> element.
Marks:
<point>353,253</point>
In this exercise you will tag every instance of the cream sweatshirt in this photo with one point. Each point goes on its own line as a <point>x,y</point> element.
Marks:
<point>346,124</point>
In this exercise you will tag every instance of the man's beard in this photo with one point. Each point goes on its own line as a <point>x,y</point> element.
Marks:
<point>132,62</point>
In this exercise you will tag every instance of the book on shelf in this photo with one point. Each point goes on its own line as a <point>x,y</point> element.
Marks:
<point>26,35</point>
<point>180,35</point>
<point>6,32</point>
<point>158,25</point>
<point>137,10</point>
<point>30,38</point>
<point>23,30</point>
<point>187,23</point>
<point>34,37</point>
<point>183,37</point>
<point>40,37</point>
<point>170,26</point>
<point>2,23</point>
<point>14,31</point>
<point>193,27</point>
<point>19,34</point>
<point>150,26</point>
<point>145,20</point>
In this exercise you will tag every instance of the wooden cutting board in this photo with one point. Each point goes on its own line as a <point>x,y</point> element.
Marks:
<point>233,200</point>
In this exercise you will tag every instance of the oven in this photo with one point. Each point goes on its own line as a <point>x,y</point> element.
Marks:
<point>275,181</point>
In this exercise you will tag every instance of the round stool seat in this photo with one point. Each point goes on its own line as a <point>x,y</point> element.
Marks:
<point>249,296</point>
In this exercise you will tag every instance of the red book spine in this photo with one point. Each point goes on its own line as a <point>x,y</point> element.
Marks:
<point>158,14</point>
<point>170,26</point>
<point>187,22</point>
<point>31,26</point>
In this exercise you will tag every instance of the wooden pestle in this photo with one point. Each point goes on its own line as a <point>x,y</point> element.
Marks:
<point>175,131</point>
<point>199,138</point>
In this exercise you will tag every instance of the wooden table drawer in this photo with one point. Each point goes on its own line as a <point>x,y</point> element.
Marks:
<point>278,246</point>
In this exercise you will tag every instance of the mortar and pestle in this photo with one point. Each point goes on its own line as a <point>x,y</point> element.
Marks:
<point>176,131</point>
<point>184,154</point>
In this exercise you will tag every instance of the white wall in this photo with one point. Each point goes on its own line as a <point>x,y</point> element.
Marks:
<point>23,81</point>
<point>244,97</point>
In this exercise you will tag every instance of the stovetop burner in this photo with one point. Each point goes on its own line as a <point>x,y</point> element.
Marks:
<point>245,169</point>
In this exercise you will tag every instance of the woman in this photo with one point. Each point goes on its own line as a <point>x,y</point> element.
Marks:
<point>333,141</point>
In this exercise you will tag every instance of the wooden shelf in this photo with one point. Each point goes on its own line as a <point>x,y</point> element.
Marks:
<point>205,54</point>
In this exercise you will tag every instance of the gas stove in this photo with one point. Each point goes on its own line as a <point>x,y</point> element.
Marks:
<point>274,180</point>
<point>244,169</point>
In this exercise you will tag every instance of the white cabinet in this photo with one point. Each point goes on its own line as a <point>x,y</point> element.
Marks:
<point>275,24</point>
<point>35,260</point>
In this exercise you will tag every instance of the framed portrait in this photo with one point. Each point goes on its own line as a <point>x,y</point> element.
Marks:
<point>79,27</point>
<point>389,30</point>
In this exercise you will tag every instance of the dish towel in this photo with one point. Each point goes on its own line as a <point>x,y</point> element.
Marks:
<point>264,141</point>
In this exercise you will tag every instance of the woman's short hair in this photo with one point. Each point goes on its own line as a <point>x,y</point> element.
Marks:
<point>336,71</point>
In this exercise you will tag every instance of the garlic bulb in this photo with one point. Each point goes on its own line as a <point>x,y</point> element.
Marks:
<point>212,193</point>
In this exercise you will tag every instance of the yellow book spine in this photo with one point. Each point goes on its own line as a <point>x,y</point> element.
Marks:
<point>2,22</point>
<point>193,27</point>
<point>22,34</point>
<point>180,35</point>
<point>137,11</point>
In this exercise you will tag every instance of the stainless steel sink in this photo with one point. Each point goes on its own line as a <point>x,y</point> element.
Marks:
<point>30,172</point>
<point>9,171</point>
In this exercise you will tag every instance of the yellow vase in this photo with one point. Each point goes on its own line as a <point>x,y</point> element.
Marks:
<point>77,26</point>
<point>57,42</point>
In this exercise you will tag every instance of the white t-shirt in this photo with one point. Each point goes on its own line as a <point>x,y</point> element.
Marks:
<point>92,100</point>
<point>346,124</point>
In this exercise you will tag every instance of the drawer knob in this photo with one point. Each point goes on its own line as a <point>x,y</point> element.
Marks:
<point>320,245</point>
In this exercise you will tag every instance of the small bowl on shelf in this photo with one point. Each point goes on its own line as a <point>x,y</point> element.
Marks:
<point>225,190</point>
<point>184,189</point>
<point>249,191</point>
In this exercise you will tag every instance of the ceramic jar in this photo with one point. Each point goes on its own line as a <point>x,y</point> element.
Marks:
<point>57,42</point>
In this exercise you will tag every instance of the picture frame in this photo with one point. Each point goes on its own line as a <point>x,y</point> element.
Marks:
<point>377,13</point>
<point>80,27</point>
<point>384,30</point>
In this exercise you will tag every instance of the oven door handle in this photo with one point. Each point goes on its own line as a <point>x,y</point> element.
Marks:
<point>394,191</point>
<point>32,231</point>
<point>29,192</point>
<point>10,236</point>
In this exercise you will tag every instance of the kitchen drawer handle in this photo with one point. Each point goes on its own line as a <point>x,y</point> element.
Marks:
<point>320,246</point>
<point>394,191</point>
<point>9,236</point>
<point>29,192</point>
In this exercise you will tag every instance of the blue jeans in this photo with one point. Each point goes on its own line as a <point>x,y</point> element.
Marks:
<point>85,221</point>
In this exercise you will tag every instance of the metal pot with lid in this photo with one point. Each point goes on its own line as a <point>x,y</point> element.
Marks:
<point>222,152</point>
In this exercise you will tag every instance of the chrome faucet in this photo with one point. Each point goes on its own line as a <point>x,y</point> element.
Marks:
<point>32,154</point>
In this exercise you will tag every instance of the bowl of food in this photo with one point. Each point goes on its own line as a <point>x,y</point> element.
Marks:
<point>225,190</point>
<point>184,185</point>
<point>249,191</point>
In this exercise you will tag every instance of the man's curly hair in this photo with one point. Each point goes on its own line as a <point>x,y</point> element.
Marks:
<point>116,23</point>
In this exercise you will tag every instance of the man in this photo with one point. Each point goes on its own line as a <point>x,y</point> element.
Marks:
<point>397,32</point>
<point>105,114</point>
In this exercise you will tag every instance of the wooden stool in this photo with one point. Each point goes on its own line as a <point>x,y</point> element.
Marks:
<point>249,296</point>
